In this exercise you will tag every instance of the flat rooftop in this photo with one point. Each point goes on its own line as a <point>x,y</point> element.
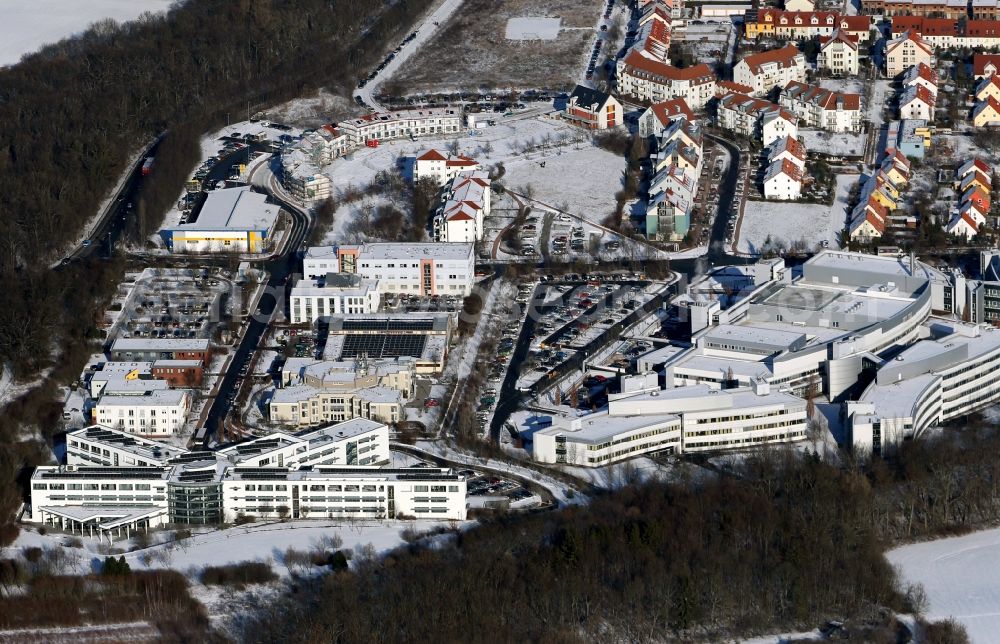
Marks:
<point>160,344</point>
<point>397,250</point>
<point>757,335</point>
<point>234,209</point>
<point>141,447</point>
<point>896,400</point>
<point>156,398</point>
<point>599,427</point>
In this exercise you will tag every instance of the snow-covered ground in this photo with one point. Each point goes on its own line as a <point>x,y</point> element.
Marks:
<point>30,25</point>
<point>576,175</point>
<point>794,222</point>
<point>252,542</point>
<point>532,28</point>
<point>960,576</point>
<point>842,143</point>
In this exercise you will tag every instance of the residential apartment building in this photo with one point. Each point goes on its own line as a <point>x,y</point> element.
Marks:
<point>777,67</point>
<point>917,102</point>
<point>756,118</point>
<point>385,126</point>
<point>646,79</point>
<point>658,116</point>
<point>441,167</point>
<point>838,54</point>
<point>592,109</point>
<point>156,413</point>
<point>782,180</point>
<point>302,163</point>
<point>336,294</point>
<point>985,65</point>
<point>986,113</point>
<point>417,268</point>
<point>822,108</point>
<point>906,50</point>
<point>951,9</point>
<point>465,204</point>
<point>777,24</point>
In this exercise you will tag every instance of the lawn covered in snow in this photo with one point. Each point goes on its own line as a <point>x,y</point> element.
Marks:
<point>960,576</point>
<point>32,24</point>
<point>791,222</point>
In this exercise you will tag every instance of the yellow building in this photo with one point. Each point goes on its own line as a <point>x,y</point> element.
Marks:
<point>234,220</point>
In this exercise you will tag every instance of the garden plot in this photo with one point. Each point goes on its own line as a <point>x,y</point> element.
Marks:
<point>836,143</point>
<point>788,223</point>
<point>473,50</point>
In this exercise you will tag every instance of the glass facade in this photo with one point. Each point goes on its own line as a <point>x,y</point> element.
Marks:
<point>195,504</point>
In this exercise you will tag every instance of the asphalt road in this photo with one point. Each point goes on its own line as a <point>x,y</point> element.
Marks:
<point>279,270</point>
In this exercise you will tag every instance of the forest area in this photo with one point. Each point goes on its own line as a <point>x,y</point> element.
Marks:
<point>73,114</point>
<point>779,542</point>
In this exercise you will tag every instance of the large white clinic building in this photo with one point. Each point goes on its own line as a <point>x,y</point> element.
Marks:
<point>819,330</point>
<point>952,373</point>
<point>674,421</point>
<point>416,268</point>
<point>113,502</point>
<point>115,483</point>
<point>233,220</point>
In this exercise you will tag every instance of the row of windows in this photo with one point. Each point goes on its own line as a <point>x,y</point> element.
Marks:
<point>95,486</point>
<point>747,441</point>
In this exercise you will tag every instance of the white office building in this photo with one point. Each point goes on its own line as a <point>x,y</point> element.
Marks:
<point>353,442</point>
<point>337,294</point>
<point>944,377</point>
<point>415,268</point>
<point>674,421</point>
<point>112,503</point>
<point>104,446</point>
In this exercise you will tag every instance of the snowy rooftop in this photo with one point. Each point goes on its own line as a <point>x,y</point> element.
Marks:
<point>599,427</point>
<point>160,398</point>
<point>897,400</point>
<point>400,250</point>
<point>160,344</point>
<point>126,442</point>
<point>235,209</point>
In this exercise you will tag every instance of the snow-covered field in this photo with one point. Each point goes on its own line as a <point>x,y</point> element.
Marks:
<point>960,576</point>
<point>32,24</point>
<point>253,542</point>
<point>793,222</point>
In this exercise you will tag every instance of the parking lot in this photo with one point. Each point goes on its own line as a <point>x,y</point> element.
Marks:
<point>572,314</point>
<point>171,303</point>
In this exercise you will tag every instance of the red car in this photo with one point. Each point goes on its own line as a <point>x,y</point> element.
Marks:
<point>431,402</point>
